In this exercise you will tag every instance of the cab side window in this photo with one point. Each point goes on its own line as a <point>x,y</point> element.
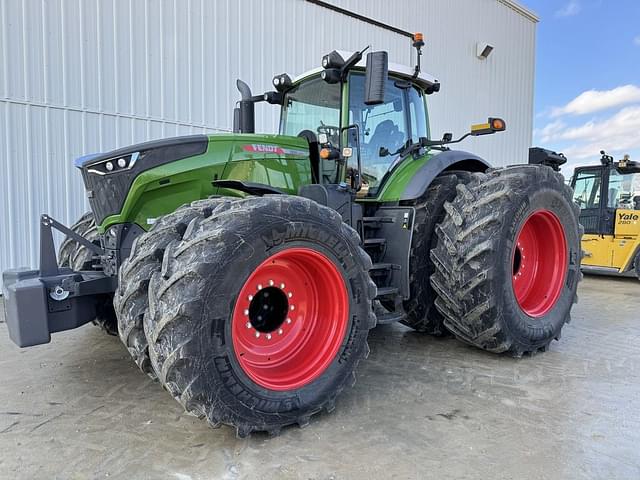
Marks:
<point>587,189</point>
<point>624,190</point>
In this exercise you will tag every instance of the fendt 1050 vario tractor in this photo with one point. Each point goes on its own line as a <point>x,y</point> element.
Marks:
<point>244,271</point>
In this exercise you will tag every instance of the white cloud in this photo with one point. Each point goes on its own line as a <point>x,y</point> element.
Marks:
<point>617,134</point>
<point>570,9</point>
<point>597,100</point>
<point>547,133</point>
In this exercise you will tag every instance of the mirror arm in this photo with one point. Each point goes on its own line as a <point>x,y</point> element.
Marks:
<point>434,143</point>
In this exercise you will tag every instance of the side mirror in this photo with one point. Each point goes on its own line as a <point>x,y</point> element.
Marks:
<point>375,77</point>
<point>493,125</point>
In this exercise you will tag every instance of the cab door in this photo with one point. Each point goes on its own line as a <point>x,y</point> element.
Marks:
<point>588,184</point>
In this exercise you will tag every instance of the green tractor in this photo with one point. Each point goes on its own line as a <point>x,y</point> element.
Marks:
<point>244,271</point>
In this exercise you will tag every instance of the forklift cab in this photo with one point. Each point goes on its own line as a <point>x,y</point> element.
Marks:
<point>609,199</point>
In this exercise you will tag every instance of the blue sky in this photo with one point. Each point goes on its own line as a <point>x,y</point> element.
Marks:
<point>587,93</point>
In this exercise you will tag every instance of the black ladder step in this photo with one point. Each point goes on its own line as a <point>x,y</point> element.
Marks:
<point>374,241</point>
<point>390,317</point>
<point>383,266</point>
<point>378,219</point>
<point>386,291</point>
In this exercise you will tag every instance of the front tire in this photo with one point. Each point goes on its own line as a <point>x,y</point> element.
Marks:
<point>131,299</point>
<point>73,255</point>
<point>508,260</point>
<point>261,313</point>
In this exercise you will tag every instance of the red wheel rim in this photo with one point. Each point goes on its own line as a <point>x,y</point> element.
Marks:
<point>290,319</point>
<point>539,261</point>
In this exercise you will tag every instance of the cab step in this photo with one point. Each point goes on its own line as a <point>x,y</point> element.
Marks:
<point>390,317</point>
<point>374,241</point>
<point>387,291</point>
<point>376,221</point>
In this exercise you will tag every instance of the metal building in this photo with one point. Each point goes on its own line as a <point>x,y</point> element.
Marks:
<point>83,76</point>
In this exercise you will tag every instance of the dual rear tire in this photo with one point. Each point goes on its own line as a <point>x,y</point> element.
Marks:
<point>507,260</point>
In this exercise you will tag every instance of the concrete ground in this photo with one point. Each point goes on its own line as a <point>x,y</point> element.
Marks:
<point>422,408</point>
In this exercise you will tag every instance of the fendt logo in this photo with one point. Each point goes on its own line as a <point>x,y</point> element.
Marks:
<point>628,217</point>
<point>266,148</point>
<point>263,148</point>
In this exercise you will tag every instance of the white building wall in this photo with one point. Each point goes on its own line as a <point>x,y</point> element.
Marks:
<point>83,76</point>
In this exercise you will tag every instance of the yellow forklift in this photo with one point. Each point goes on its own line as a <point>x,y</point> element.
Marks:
<point>609,199</point>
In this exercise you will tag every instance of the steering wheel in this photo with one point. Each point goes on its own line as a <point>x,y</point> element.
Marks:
<point>332,132</point>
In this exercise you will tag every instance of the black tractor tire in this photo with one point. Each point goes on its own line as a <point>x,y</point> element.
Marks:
<point>421,313</point>
<point>131,299</point>
<point>478,259</point>
<point>197,306</point>
<point>78,257</point>
<point>71,253</point>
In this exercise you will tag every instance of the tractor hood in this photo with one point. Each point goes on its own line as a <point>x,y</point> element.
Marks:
<point>145,180</point>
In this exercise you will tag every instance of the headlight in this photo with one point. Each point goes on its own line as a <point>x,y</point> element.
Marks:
<point>114,165</point>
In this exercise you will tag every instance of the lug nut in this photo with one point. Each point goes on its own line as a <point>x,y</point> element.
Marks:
<point>282,286</point>
<point>280,331</point>
<point>259,286</point>
<point>248,324</point>
<point>271,283</point>
<point>290,295</point>
<point>268,336</point>
<point>250,297</point>
<point>288,320</point>
<point>246,312</point>
<point>292,307</point>
<point>257,334</point>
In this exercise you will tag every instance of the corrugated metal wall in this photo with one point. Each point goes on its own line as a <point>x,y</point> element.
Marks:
<point>82,76</point>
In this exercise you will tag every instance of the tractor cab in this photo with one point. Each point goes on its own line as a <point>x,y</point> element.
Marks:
<point>362,118</point>
<point>379,132</point>
<point>609,199</point>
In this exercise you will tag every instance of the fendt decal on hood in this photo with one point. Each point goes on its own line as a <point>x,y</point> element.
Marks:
<point>266,148</point>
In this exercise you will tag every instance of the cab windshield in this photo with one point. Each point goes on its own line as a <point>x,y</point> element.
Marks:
<point>385,129</point>
<point>310,105</point>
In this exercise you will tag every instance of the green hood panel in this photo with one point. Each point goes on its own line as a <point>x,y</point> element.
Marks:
<point>276,160</point>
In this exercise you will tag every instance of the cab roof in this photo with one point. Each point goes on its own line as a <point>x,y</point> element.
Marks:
<point>423,80</point>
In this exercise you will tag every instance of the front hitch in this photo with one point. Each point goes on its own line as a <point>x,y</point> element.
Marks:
<point>52,299</point>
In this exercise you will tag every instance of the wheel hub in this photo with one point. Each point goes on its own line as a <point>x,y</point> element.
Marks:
<point>539,263</point>
<point>268,309</point>
<point>290,319</point>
